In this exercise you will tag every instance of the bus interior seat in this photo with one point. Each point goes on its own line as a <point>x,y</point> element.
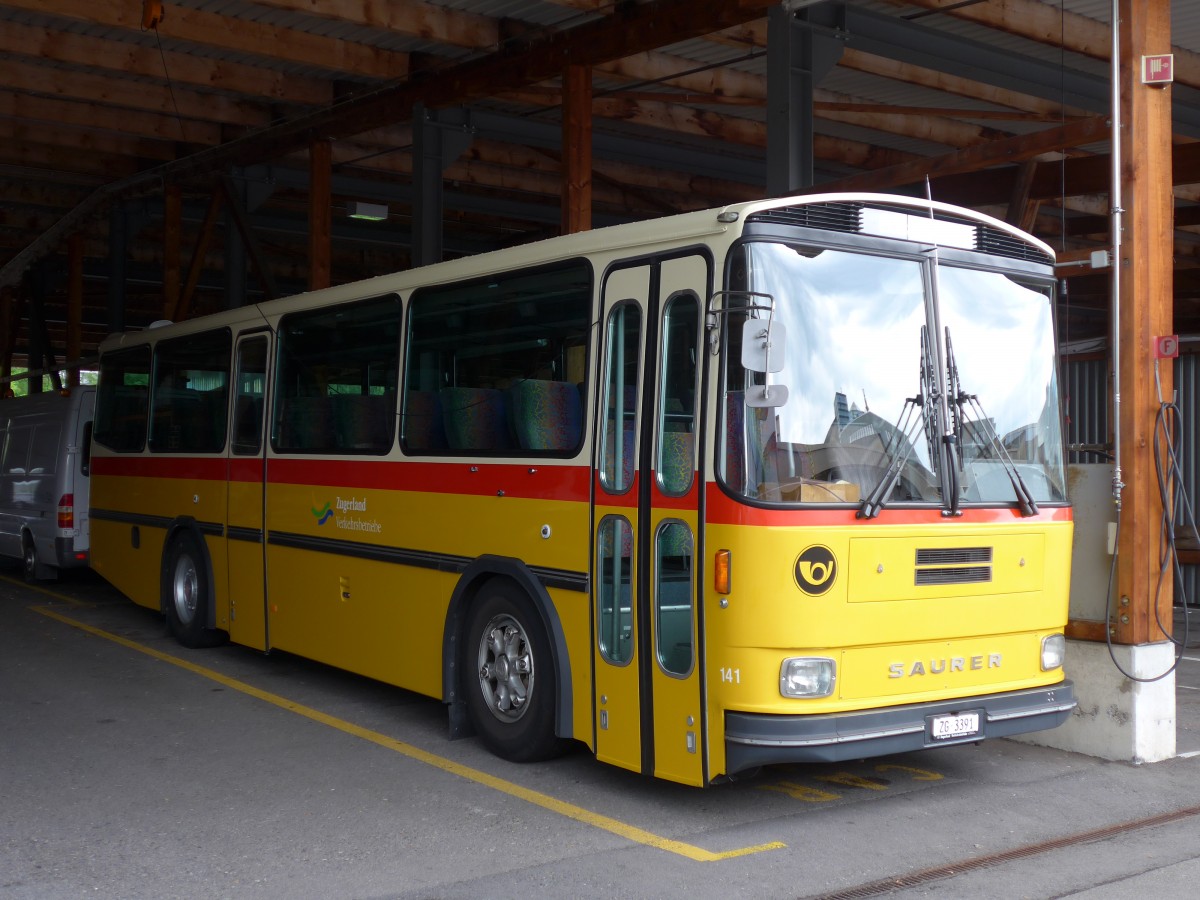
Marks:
<point>362,421</point>
<point>735,427</point>
<point>423,425</point>
<point>307,424</point>
<point>676,473</point>
<point>475,418</point>
<point>546,415</point>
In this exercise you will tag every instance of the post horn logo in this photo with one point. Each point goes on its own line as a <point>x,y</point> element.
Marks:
<point>816,570</point>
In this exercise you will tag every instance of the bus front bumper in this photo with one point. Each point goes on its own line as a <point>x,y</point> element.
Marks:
<point>755,739</point>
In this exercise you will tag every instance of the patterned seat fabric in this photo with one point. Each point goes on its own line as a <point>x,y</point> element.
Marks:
<point>676,474</point>
<point>423,425</point>
<point>546,415</point>
<point>475,418</point>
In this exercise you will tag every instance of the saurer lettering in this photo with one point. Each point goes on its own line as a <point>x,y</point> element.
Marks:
<point>944,665</point>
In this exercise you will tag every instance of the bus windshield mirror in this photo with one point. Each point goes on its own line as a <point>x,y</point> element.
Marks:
<point>766,396</point>
<point>763,343</point>
<point>972,424</point>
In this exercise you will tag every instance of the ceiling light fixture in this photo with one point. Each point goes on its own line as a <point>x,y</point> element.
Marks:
<point>371,212</point>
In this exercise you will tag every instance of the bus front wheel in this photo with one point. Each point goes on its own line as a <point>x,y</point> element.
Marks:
<point>188,597</point>
<point>509,675</point>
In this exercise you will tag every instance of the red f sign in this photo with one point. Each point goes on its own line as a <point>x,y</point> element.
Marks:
<point>1166,347</point>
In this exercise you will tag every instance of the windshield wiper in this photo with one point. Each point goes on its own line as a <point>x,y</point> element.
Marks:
<point>965,406</point>
<point>900,446</point>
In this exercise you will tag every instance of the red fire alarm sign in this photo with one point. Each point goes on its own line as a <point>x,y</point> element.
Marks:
<point>1166,346</point>
<point>1158,69</point>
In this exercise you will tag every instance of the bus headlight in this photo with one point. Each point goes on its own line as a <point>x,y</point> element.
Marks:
<point>807,676</point>
<point>1054,649</point>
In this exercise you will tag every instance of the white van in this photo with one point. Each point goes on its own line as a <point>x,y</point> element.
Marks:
<point>45,442</point>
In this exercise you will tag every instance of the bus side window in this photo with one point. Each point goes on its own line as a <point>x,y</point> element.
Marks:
<point>614,603</point>
<point>248,398</point>
<point>123,399</point>
<point>677,412</point>
<point>190,401</point>
<point>336,387</point>
<point>494,367</point>
<point>621,369</point>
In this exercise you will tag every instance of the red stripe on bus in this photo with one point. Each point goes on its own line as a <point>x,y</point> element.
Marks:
<point>525,480</point>
<point>724,510</point>
<point>192,468</point>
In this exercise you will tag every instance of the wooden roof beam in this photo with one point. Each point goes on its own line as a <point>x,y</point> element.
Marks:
<point>1048,24</point>
<point>112,91</point>
<point>973,159</point>
<point>257,38</point>
<point>421,20</point>
<point>30,108</point>
<point>180,68</point>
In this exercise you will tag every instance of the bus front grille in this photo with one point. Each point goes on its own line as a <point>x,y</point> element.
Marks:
<point>953,565</point>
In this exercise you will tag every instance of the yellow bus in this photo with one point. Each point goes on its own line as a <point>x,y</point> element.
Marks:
<point>777,482</point>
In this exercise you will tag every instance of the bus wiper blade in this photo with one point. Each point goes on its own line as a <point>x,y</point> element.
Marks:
<point>968,406</point>
<point>874,502</point>
<point>902,435</point>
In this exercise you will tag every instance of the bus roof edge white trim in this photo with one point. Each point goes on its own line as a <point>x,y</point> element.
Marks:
<point>645,234</point>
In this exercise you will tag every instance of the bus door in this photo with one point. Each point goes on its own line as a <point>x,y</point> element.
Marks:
<point>245,537</point>
<point>648,696</point>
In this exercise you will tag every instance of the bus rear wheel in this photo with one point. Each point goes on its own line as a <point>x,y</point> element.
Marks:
<point>188,597</point>
<point>509,675</point>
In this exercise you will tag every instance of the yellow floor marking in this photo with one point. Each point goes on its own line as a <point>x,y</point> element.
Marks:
<point>571,811</point>
<point>81,604</point>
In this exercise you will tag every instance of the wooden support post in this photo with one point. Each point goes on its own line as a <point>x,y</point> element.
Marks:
<point>184,306</point>
<point>74,306</point>
<point>320,213</point>
<point>172,243</point>
<point>258,259</point>
<point>8,338</point>
<point>1143,600</point>
<point>577,149</point>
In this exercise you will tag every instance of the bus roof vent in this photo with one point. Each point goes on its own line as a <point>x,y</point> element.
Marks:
<point>1001,243</point>
<point>826,216</point>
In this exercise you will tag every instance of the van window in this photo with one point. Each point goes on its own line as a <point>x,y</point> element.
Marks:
<point>16,450</point>
<point>44,447</point>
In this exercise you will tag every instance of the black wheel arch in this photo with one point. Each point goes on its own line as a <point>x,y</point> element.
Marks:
<point>474,576</point>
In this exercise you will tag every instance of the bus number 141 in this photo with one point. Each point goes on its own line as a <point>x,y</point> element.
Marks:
<point>731,676</point>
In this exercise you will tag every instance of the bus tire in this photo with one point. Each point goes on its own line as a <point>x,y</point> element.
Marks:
<point>188,597</point>
<point>509,675</point>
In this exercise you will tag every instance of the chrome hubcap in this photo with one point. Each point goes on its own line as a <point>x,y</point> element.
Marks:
<point>505,664</point>
<point>186,589</point>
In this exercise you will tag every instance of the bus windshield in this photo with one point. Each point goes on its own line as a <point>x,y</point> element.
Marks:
<point>872,392</point>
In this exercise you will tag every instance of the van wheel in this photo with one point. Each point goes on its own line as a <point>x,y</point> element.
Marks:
<point>509,675</point>
<point>30,559</point>
<point>33,563</point>
<point>188,598</point>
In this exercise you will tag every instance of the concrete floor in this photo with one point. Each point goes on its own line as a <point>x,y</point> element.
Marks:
<point>133,768</point>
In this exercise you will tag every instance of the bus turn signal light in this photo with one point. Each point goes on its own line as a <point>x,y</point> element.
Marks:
<point>722,572</point>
